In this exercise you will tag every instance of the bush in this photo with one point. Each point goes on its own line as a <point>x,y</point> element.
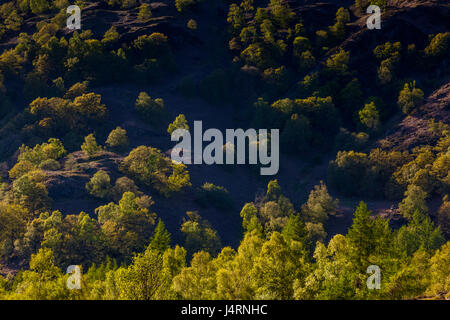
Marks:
<point>216,196</point>
<point>100,185</point>
<point>150,167</point>
<point>123,185</point>
<point>144,12</point>
<point>150,109</point>
<point>50,165</point>
<point>410,97</point>
<point>90,146</point>
<point>320,205</point>
<point>369,117</point>
<point>192,24</point>
<point>439,46</point>
<point>117,139</point>
<point>179,123</point>
<point>183,5</point>
<point>415,200</point>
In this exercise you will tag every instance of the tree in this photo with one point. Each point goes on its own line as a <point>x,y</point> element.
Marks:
<point>90,146</point>
<point>179,123</point>
<point>420,233</point>
<point>160,240</point>
<point>30,191</point>
<point>39,6</point>
<point>150,109</point>
<point>144,12</point>
<point>128,224</point>
<point>199,235</point>
<point>410,97</point>
<point>274,190</point>
<point>183,5</point>
<point>415,200</point>
<point>148,166</point>
<point>276,268</point>
<point>122,185</point>
<point>236,17</point>
<point>438,46</point>
<point>179,178</point>
<point>143,279</point>
<point>295,230</point>
<point>248,213</point>
<point>44,280</point>
<point>117,139</point>
<point>99,186</point>
<point>360,236</point>
<point>192,24</point>
<point>369,117</point>
<point>444,216</point>
<point>320,205</point>
<point>297,134</point>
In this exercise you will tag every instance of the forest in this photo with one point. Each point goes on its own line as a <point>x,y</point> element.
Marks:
<point>87,179</point>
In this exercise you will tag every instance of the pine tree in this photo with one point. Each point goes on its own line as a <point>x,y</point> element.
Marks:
<point>295,229</point>
<point>90,146</point>
<point>360,236</point>
<point>160,240</point>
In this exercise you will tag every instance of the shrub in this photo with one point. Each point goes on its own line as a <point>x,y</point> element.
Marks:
<point>179,123</point>
<point>76,90</point>
<point>90,146</point>
<point>117,139</point>
<point>122,185</point>
<point>410,97</point>
<point>439,46</point>
<point>50,165</point>
<point>415,200</point>
<point>53,149</point>
<point>369,117</point>
<point>320,205</point>
<point>183,5</point>
<point>100,185</point>
<point>212,195</point>
<point>150,109</point>
<point>144,12</point>
<point>192,24</point>
<point>150,167</point>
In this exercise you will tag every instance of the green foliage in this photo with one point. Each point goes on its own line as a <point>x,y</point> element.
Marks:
<point>369,116</point>
<point>100,185</point>
<point>410,97</point>
<point>179,123</point>
<point>160,240</point>
<point>150,109</point>
<point>53,149</point>
<point>30,191</point>
<point>439,46</point>
<point>216,196</point>
<point>90,146</point>
<point>320,205</point>
<point>199,235</point>
<point>183,5</point>
<point>415,200</point>
<point>144,12</point>
<point>117,139</point>
<point>128,224</point>
<point>192,24</point>
<point>39,6</point>
<point>149,167</point>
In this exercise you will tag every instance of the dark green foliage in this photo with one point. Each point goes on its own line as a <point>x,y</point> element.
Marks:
<point>216,196</point>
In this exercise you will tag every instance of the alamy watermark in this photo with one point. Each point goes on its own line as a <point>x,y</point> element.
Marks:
<point>74,21</point>
<point>74,281</point>
<point>374,280</point>
<point>234,149</point>
<point>374,21</point>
